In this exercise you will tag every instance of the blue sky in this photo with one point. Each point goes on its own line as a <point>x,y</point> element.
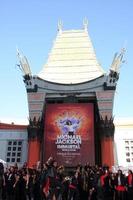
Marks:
<point>32,27</point>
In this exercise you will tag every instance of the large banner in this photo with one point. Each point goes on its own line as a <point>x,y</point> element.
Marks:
<point>69,133</point>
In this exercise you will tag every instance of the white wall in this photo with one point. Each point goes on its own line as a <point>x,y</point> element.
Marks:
<point>6,135</point>
<point>123,132</point>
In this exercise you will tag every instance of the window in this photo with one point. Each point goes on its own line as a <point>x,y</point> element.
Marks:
<point>8,160</point>
<point>19,154</point>
<point>14,148</point>
<point>128,154</point>
<point>127,142</point>
<point>128,159</point>
<point>9,143</point>
<point>19,148</point>
<point>15,143</point>
<point>8,153</point>
<point>14,151</point>
<point>9,148</point>
<point>13,160</point>
<point>20,143</point>
<point>13,154</point>
<point>127,148</point>
<point>18,159</point>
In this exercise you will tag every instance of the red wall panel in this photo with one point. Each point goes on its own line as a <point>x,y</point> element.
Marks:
<point>69,133</point>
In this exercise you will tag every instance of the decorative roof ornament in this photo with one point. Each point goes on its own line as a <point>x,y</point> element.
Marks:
<point>85,24</point>
<point>60,26</point>
<point>117,61</point>
<point>24,65</point>
<point>72,58</point>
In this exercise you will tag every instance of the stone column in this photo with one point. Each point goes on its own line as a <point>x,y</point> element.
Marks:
<point>34,142</point>
<point>106,130</point>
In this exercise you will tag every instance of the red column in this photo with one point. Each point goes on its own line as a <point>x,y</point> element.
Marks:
<point>107,151</point>
<point>33,152</point>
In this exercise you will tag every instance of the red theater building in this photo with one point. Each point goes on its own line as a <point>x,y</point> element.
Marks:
<point>71,102</point>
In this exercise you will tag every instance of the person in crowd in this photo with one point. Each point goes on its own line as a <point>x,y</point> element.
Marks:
<point>92,183</point>
<point>83,184</point>
<point>120,186</point>
<point>107,187</point>
<point>99,184</point>
<point>20,186</point>
<point>53,182</point>
<point>112,185</point>
<point>65,187</point>
<point>2,180</point>
<point>44,182</point>
<point>29,183</point>
<point>50,185</point>
<point>73,187</point>
<point>59,183</point>
<point>10,181</point>
<point>36,184</point>
<point>130,185</point>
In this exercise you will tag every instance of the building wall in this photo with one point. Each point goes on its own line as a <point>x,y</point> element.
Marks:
<point>13,145</point>
<point>123,142</point>
<point>123,139</point>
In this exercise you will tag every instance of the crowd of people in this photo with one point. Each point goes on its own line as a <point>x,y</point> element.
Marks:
<point>53,182</point>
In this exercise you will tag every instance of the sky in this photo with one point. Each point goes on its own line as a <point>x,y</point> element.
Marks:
<point>31,26</point>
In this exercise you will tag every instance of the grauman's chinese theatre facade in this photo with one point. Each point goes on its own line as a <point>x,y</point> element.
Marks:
<point>71,102</point>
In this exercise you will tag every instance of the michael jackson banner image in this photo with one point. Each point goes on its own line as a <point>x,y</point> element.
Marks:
<point>69,133</point>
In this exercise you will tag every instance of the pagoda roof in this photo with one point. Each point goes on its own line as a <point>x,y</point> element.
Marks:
<point>72,59</point>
